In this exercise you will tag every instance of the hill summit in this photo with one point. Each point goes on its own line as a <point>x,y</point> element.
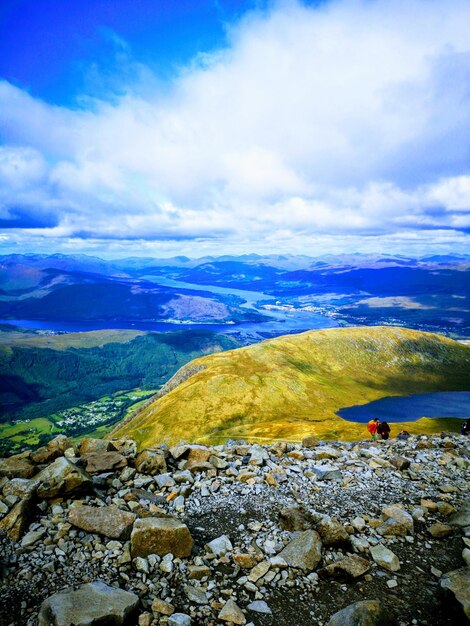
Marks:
<point>292,386</point>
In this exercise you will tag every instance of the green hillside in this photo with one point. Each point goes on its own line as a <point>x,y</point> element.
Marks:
<point>292,386</point>
<point>40,375</point>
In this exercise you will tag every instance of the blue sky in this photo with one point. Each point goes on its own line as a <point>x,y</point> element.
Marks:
<point>163,127</point>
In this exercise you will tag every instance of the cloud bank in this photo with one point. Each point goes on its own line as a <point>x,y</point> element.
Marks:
<point>346,122</point>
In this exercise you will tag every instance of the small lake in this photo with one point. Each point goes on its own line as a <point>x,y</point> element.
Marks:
<point>411,408</point>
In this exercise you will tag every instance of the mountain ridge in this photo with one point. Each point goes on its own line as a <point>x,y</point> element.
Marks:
<point>292,386</point>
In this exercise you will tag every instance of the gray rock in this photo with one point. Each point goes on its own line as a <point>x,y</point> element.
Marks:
<point>400,462</point>
<point>220,546</point>
<point>461,518</point>
<point>363,613</point>
<point>327,472</point>
<point>304,551</point>
<point>196,595</point>
<point>91,604</point>
<point>105,520</point>
<point>457,584</point>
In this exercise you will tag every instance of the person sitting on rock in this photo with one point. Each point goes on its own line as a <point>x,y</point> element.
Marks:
<point>384,430</point>
<point>404,435</point>
<point>372,427</point>
<point>465,428</point>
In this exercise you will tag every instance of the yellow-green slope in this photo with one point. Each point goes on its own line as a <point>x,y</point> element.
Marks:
<point>292,386</point>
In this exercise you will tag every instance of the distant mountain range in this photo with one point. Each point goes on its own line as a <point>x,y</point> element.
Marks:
<point>429,293</point>
<point>291,387</point>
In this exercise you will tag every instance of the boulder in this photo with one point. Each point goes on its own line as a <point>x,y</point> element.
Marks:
<point>17,467</point>
<point>231,612</point>
<point>457,584</point>
<point>439,530</point>
<point>90,445</point>
<point>309,442</point>
<point>60,478</point>
<point>55,448</point>
<point>363,613</point>
<point>150,462</point>
<point>400,462</point>
<point>91,604</point>
<point>20,487</point>
<point>304,551</point>
<point>106,520</point>
<point>385,557</point>
<point>99,462</point>
<point>161,535</point>
<point>396,522</point>
<point>200,454</point>
<point>126,447</point>
<point>16,521</point>
<point>462,517</point>
<point>351,566</point>
<point>332,533</point>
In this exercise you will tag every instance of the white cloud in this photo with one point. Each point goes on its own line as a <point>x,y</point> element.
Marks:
<point>350,118</point>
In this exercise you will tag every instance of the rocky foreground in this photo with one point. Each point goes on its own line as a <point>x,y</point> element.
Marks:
<point>369,533</point>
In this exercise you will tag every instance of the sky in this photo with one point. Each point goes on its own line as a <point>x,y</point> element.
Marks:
<point>162,127</point>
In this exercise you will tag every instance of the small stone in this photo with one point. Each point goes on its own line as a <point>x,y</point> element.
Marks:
<point>385,557</point>
<point>196,595</point>
<point>259,571</point>
<point>220,546</point>
<point>179,619</point>
<point>259,606</point>
<point>391,584</point>
<point>397,522</point>
<point>232,613</point>
<point>163,608</point>
<point>245,561</point>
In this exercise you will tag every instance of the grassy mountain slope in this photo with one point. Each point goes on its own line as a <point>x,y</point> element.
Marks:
<point>292,386</point>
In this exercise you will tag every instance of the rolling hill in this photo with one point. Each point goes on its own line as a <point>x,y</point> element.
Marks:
<point>292,386</point>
